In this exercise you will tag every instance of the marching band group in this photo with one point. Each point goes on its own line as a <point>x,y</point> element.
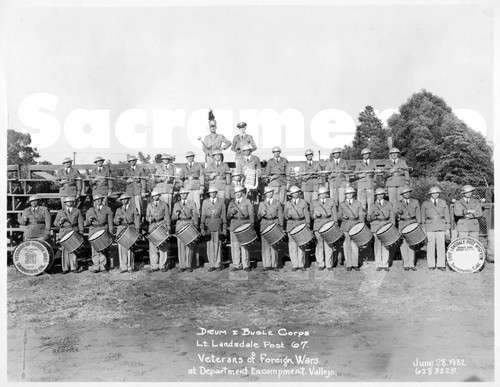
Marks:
<point>327,213</point>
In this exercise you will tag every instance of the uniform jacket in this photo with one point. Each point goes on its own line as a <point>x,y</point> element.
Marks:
<point>435,217</point>
<point>184,214</point>
<point>296,214</point>
<point>239,141</point>
<point>71,185</point>
<point>309,181</point>
<point>385,215</point>
<point>327,211</point>
<point>337,179</point>
<point>213,215</point>
<point>280,168</point>
<point>231,189</point>
<point>75,218</point>
<point>101,185</point>
<point>398,178</point>
<point>137,187</point>
<point>218,175</point>
<point>156,213</point>
<point>239,214</point>
<point>462,208</point>
<point>124,218</point>
<point>104,217</point>
<point>270,213</point>
<point>165,184</point>
<point>354,211</point>
<point>242,164</point>
<point>408,213</point>
<point>38,221</point>
<point>365,181</point>
<point>193,175</point>
<point>213,142</point>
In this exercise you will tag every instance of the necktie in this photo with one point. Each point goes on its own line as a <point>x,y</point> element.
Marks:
<point>407,201</point>
<point>99,169</point>
<point>467,200</point>
<point>190,165</point>
<point>434,201</point>
<point>366,162</point>
<point>213,201</point>
<point>126,208</point>
<point>323,201</point>
<point>248,159</point>
<point>69,210</point>
<point>217,163</point>
<point>183,202</point>
<point>278,160</point>
<point>310,164</point>
<point>296,201</point>
<point>336,162</point>
<point>67,170</point>
<point>133,169</point>
<point>100,208</point>
<point>350,201</point>
<point>381,203</point>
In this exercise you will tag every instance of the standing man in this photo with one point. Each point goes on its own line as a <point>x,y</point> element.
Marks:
<point>71,219</point>
<point>338,177</point>
<point>408,211</point>
<point>158,213</point>
<point>242,139</point>
<point>436,219</point>
<point>185,212</point>
<point>38,220</point>
<point>365,173</point>
<point>296,213</point>
<point>239,212</point>
<point>193,179</point>
<point>126,215</point>
<point>350,213</point>
<point>70,181</point>
<point>468,210</point>
<point>381,214</point>
<point>99,217</point>
<point>213,140</point>
<point>235,182</point>
<point>323,210</point>
<point>246,163</point>
<point>276,170</point>
<point>398,176</point>
<point>101,181</point>
<point>219,175</point>
<point>214,224</point>
<point>164,179</point>
<point>270,212</point>
<point>309,177</point>
<point>136,178</point>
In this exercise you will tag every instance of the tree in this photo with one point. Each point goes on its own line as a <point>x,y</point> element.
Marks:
<point>436,143</point>
<point>158,158</point>
<point>19,150</point>
<point>143,158</point>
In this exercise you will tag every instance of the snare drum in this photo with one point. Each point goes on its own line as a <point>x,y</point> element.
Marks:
<point>33,257</point>
<point>158,235</point>
<point>72,241</point>
<point>101,240</point>
<point>273,234</point>
<point>331,232</point>
<point>127,237</point>
<point>414,235</point>
<point>360,234</point>
<point>302,234</point>
<point>389,235</point>
<point>245,234</point>
<point>188,234</point>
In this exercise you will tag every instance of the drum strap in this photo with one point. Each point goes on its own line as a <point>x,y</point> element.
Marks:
<point>295,209</point>
<point>382,211</point>
<point>324,209</point>
<point>348,209</point>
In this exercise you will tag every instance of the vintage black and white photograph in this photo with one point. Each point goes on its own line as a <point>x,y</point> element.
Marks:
<point>249,191</point>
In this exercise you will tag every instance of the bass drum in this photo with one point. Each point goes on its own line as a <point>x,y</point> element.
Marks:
<point>33,257</point>
<point>302,235</point>
<point>72,241</point>
<point>245,234</point>
<point>188,234</point>
<point>414,235</point>
<point>331,232</point>
<point>273,234</point>
<point>360,234</point>
<point>389,235</point>
<point>101,240</point>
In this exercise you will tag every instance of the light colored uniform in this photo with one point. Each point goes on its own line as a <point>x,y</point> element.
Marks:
<point>465,226</point>
<point>246,163</point>
<point>238,143</point>
<point>385,216</point>
<point>436,221</point>
<point>337,179</point>
<point>296,213</point>
<point>38,221</point>
<point>269,213</point>
<point>397,179</point>
<point>157,214</point>
<point>354,211</point>
<point>212,142</point>
<point>218,175</point>
<point>165,184</point>
<point>411,213</point>
<point>69,260</point>
<point>73,185</point>
<point>276,169</point>
<point>125,217</point>
<point>104,217</point>
<point>366,183</point>
<point>192,176</point>
<point>310,181</point>
<point>325,207</point>
<point>213,219</point>
<point>101,185</point>
<point>244,214</point>
<point>137,187</point>
<point>183,214</point>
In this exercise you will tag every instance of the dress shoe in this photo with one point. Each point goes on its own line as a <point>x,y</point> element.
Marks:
<point>330,269</point>
<point>321,268</point>
<point>235,269</point>
<point>442,268</point>
<point>212,269</point>
<point>379,269</point>
<point>130,270</point>
<point>266,268</point>
<point>218,268</point>
<point>247,269</point>
<point>349,269</point>
<point>164,270</point>
<point>276,269</point>
<point>387,269</point>
<point>303,268</point>
<point>431,268</point>
<point>182,269</point>
<point>413,268</point>
<point>295,268</point>
<point>189,269</point>
<point>123,271</point>
<point>152,270</point>
<point>406,268</point>
<point>356,268</point>
<point>65,272</point>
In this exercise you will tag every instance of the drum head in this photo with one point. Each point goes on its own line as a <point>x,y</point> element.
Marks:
<point>96,235</point>
<point>297,229</point>
<point>243,227</point>
<point>326,226</point>
<point>411,227</point>
<point>33,257</point>
<point>184,228</point>
<point>268,228</point>
<point>356,228</point>
<point>384,228</point>
<point>67,236</point>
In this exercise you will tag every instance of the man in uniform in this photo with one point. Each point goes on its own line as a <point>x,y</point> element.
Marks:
<point>70,182</point>
<point>408,211</point>
<point>365,173</point>
<point>126,215</point>
<point>136,178</point>
<point>71,219</point>
<point>246,163</point>
<point>193,179</point>
<point>323,210</point>
<point>38,220</point>
<point>235,182</point>
<point>164,179</point>
<point>270,212</point>
<point>240,211</point>
<point>242,139</point>
<point>276,170</point>
<point>185,211</point>
<point>468,210</point>
<point>158,213</point>
<point>99,217</point>
<point>338,177</point>
<point>308,174</point>
<point>382,213</point>
<point>296,213</point>
<point>398,176</point>
<point>436,220</point>
<point>219,175</point>
<point>214,140</point>
<point>101,181</point>
<point>214,224</point>
<point>350,212</point>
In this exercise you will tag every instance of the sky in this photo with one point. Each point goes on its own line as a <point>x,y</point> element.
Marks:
<point>111,80</point>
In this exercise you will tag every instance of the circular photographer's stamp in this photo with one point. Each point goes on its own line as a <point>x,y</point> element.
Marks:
<point>466,255</point>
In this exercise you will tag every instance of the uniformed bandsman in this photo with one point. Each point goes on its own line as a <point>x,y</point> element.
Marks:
<point>270,211</point>
<point>239,211</point>
<point>408,211</point>
<point>382,213</point>
<point>213,140</point>
<point>158,214</point>
<point>214,224</point>
<point>99,217</point>
<point>164,179</point>
<point>436,220</point>
<point>308,175</point>
<point>242,139</point>
<point>136,178</point>
<point>69,218</point>
<point>193,179</point>
<point>219,175</point>
<point>100,180</point>
<point>323,210</point>
<point>468,210</point>
<point>70,182</point>
<point>366,184</point>
<point>296,212</point>
<point>37,219</point>
<point>338,177</point>
<point>185,211</point>
<point>126,215</point>
<point>276,170</point>
<point>350,212</point>
<point>398,175</point>
<point>246,163</point>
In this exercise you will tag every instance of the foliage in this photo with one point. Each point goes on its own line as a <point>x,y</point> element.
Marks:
<point>19,150</point>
